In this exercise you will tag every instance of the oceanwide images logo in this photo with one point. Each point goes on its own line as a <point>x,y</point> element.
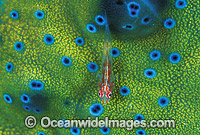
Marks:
<point>46,122</point>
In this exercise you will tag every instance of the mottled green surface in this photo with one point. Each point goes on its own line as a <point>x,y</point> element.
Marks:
<point>66,20</point>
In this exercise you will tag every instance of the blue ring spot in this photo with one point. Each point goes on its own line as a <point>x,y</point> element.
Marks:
<point>174,58</point>
<point>27,108</point>
<point>9,67</point>
<point>105,130</point>
<point>66,61</point>
<point>128,27</point>
<point>37,110</point>
<point>140,132</point>
<point>75,131</point>
<point>41,133</point>
<point>169,23</point>
<point>133,13</point>
<point>7,98</point>
<point>91,28</point>
<point>96,109</point>
<point>150,73</point>
<point>100,20</point>
<point>92,67</point>
<point>18,46</point>
<point>139,117</point>
<point>79,41</point>
<point>36,85</point>
<point>25,98</point>
<point>48,39</point>
<point>114,52</point>
<point>163,101</point>
<point>146,20</point>
<point>14,14</point>
<point>124,91</point>
<point>180,4</point>
<point>39,14</point>
<point>133,6</point>
<point>155,55</point>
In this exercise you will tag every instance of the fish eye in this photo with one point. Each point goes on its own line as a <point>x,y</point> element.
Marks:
<point>99,93</point>
<point>110,94</point>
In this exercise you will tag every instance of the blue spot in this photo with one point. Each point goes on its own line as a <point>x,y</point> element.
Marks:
<point>169,23</point>
<point>100,20</point>
<point>140,132</point>
<point>139,117</point>
<point>114,52</point>
<point>75,131</point>
<point>14,14</point>
<point>9,67</point>
<point>105,130</point>
<point>133,6</point>
<point>36,85</point>
<point>41,133</point>
<point>79,41</point>
<point>150,73</point>
<point>96,109</point>
<point>48,39</point>
<point>7,98</point>
<point>25,98</point>
<point>37,110</point>
<point>92,67</point>
<point>124,91</point>
<point>155,55</point>
<point>39,14</point>
<point>128,27</point>
<point>66,61</point>
<point>27,108</point>
<point>174,58</point>
<point>91,28</point>
<point>133,13</point>
<point>163,101</point>
<point>180,4</point>
<point>146,20</point>
<point>65,124</point>
<point>67,102</point>
<point>18,46</point>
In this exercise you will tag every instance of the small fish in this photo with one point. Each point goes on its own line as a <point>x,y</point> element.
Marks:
<point>106,84</point>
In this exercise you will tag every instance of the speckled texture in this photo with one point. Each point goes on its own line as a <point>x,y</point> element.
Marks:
<point>66,20</point>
